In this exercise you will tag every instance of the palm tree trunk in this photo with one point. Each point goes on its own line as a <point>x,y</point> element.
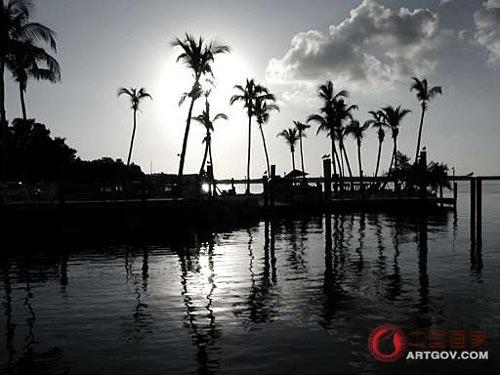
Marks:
<point>132,139</point>
<point>211,159</point>
<point>393,160</point>
<point>334,154</point>
<point>265,151</point>
<point>212,185</point>
<point>348,165</point>
<point>293,160</point>
<point>393,157</point>
<point>359,161</point>
<point>420,133</point>
<point>186,131</point>
<point>3,123</point>
<point>248,152</point>
<point>301,154</point>
<point>395,153</point>
<point>347,160</point>
<point>204,155</point>
<point>341,167</point>
<point>336,159</point>
<point>378,157</point>
<point>360,165</point>
<point>23,102</point>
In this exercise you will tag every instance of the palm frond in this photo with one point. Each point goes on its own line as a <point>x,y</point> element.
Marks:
<point>35,30</point>
<point>124,91</point>
<point>222,116</point>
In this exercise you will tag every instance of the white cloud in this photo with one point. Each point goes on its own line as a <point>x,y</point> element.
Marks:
<point>375,46</point>
<point>487,24</point>
<point>489,4</point>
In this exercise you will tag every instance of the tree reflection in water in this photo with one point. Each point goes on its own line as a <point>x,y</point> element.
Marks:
<point>200,318</point>
<point>335,274</point>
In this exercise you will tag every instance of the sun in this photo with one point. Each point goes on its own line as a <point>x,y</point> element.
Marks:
<point>176,79</point>
<point>172,81</point>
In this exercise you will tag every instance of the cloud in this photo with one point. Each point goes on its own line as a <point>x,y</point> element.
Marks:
<point>487,25</point>
<point>374,46</point>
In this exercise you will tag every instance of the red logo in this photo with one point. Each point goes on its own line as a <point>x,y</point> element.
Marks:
<point>387,343</point>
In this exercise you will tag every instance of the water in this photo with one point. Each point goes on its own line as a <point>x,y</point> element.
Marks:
<point>289,296</point>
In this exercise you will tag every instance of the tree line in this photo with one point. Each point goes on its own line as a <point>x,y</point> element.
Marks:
<point>25,47</point>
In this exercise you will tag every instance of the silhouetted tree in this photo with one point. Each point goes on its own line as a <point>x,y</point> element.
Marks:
<point>198,56</point>
<point>135,97</point>
<point>249,94</point>
<point>357,130</point>
<point>424,95</point>
<point>434,175</point>
<point>326,119</point>
<point>30,61</point>
<point>39,157</point>
<point>14,28</point>
<point>343,114</point>
<point>301,129</point>
<point>262,111</point>
<point>35,155</point>
<point>103,170</point>
<point>208,122</point>
<point>378,123</point>
<point>393,117</point>
<point>291,137</point>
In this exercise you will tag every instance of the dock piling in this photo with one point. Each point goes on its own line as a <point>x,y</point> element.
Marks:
<point>473,210</point>
<point>271,185</point>
<point>327,175</point>
<point>265,190</point>
<point>441,203</point>
<point>479,210</point>
<point>455,195</point>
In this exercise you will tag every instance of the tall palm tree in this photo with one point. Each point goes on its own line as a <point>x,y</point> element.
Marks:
<point>378,123</point>
<point>343,114</point>
<point>198,55</point>
<point>135,97</point>
<point>325,125</point>
<point>326,119</point>
<point>248,95</point>
<point>301,129</point>
<point>357,130</point>
<point>208,122</point>
<point>14,28</point>
<point>262,111</point>
<point>393,117</point>
<point>291,137</point>
<point>424,95</point>
<point>30,61</point>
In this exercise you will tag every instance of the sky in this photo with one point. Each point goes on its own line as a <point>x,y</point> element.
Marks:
<point>370,48</point>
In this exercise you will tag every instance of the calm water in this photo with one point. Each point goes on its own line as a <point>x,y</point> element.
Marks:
<point>290,296</point>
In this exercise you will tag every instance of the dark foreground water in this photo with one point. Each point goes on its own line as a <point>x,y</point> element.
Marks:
<point>296,296</point>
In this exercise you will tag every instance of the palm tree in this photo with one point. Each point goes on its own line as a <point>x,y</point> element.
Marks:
<point>378,123</point>
<point>424,96</point>
<point>249,94</point>
<point>208,122</point>
<point>135,97</point>
<point>301,129</point>
<point>14,28</point>
<point>198,56</point>
<point>326,119</point>
<point>262,111</point>
<point>325,124</point>
<point>343,113</point>
<point>291,137</point>
<point>357,130</point>
<point>393,117</point>
<point>25,63</point>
